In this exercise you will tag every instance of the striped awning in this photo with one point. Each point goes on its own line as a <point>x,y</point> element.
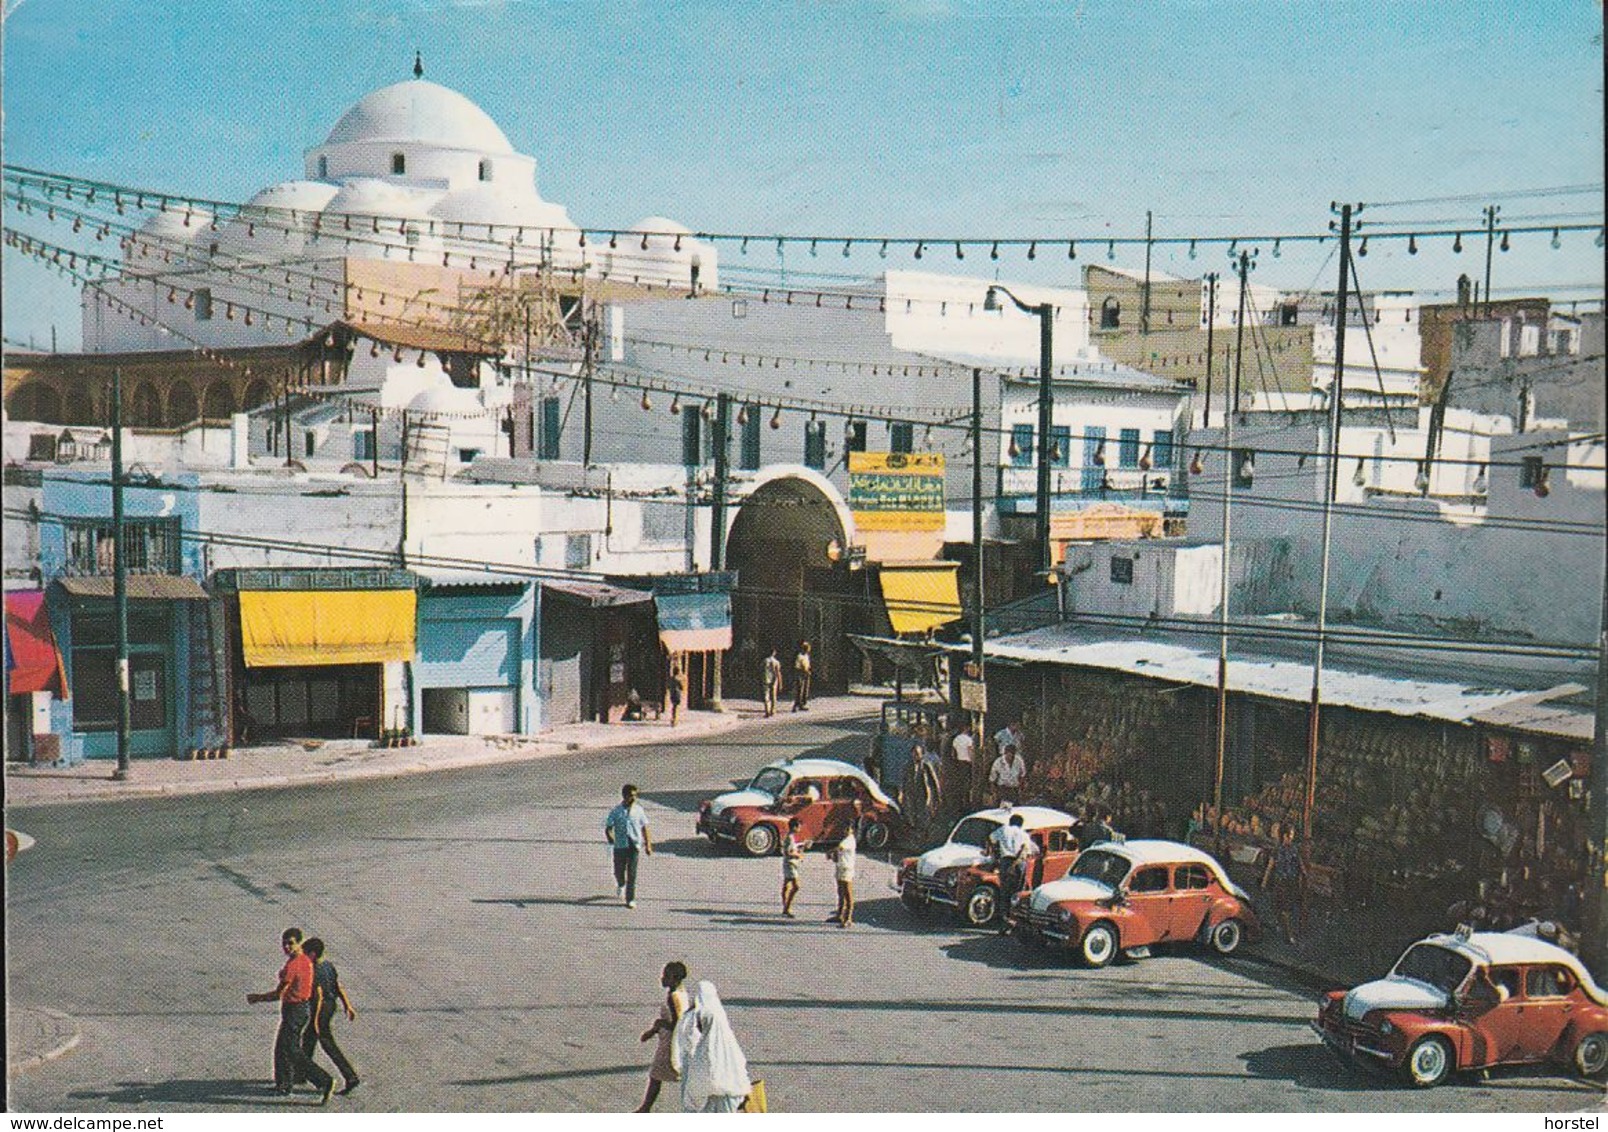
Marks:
<point>694,622</point>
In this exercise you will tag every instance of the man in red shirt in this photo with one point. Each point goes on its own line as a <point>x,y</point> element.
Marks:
<point>294,995</point>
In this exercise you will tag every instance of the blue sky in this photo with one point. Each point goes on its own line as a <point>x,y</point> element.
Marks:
<point>912,118</point>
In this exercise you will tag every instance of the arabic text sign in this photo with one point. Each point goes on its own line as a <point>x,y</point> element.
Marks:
<point>897,491</point>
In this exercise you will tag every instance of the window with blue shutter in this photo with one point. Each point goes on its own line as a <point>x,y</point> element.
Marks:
<point>815,445</point>
<point>552,426</point>
<point>1162,455</point>
<point>1128,448</point>
<point>902,437</point>
<point>1022,442</point>
<point>1061,446</point>
<point>748,458</point>
<point>691,427</point>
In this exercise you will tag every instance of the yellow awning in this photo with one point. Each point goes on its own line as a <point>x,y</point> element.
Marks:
<point>279,628</point>
<point>921,597</point>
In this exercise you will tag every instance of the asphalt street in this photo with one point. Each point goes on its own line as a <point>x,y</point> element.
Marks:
<point>473,919</point>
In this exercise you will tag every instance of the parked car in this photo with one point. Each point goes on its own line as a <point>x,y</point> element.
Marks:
<point>1470,1000</point>
<point>1123,896</point>
<point>960,874</point>
<point>820,793</point>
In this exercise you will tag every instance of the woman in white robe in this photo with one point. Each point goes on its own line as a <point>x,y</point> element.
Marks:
<point>714,1072</point>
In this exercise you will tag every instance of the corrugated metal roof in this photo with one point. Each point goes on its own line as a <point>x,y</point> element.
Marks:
<point>1558,720</point>
<point>469,579</point>
<point>595,594</point>
<point>1257,675</point>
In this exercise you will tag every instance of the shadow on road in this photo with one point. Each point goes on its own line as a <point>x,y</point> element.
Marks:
<point>537,901</point>
<point>1310,1066</point>
<point>567,1075</point>
<point>195,1091</point>
<point>684,801</point>
<point>697,848</point>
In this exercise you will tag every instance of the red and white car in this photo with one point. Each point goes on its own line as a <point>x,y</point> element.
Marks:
<point>961,874</point>
<point>820,793</point>
<point>1124,896</point>
<point>1471,1000</point>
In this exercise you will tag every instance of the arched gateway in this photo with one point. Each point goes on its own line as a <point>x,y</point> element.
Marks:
<point>788,544</point>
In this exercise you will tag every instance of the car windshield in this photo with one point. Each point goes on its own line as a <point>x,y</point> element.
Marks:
<point>1441,968</point>
<point>1097,864</point>
<point>973,831</point>
<point>772,780</point>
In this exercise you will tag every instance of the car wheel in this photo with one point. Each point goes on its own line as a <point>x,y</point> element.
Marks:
<point>759,841</point>
<point>876,835</point>
<point>1099,945</point>
<point>1227,936</point>
<point>913,900</point>
<point>981,906</point>
<point>1591,1055</point>
<point>1428,1062</point>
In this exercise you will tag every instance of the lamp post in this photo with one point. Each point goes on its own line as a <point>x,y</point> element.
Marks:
<point>1046,405</point>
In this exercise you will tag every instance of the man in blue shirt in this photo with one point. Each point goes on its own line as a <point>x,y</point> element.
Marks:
<point>626,828</point>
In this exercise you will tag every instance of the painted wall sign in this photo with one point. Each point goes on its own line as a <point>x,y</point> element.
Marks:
<point>897,491</point>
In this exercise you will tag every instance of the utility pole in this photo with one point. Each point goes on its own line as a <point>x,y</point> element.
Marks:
<point>1223,579</point>
<point>1211,326</point>
<point>1491,211</point>
<point>589,331</point>
<point>1331,479</point>
<point>120,579</point>
<point>980,606</point>
<point>1046,317</point>
<point>1596,910</point>
<point>1144,298</point>
<point>717,520</point>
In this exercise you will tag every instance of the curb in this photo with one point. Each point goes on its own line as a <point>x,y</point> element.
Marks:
<point>530,749</point>
<point>33,1061</point>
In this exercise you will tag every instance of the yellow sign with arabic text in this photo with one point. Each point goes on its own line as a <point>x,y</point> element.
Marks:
<point>897,491</point>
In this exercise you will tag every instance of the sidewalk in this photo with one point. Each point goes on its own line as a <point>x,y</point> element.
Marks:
<point>315,760</point>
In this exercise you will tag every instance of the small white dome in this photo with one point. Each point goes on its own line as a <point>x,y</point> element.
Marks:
<point>446,400</point>
<point>278,222</point>
<point>370,197</point>
<point>297,196</point>
<point>658,225</point>
<point>494,204</point>
<point>420,111</point>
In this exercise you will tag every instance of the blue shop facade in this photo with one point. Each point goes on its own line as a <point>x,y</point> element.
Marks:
<point>169,622</point>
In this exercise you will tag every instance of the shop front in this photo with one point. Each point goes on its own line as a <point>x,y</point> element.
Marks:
<point>596,646</point>
<point>321,654</point>
<point>477,656</point>
<point>161,610</point>
<point>694,620</point>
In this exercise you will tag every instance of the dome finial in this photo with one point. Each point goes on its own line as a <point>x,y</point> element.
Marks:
<point>418,65</point>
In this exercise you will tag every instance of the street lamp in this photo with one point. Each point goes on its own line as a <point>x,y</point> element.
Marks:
<point>1046,316</point>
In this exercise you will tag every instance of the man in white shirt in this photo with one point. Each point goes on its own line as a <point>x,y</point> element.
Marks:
<point>1007,775</point>
<point>962,748</point>
<point>1013,848</point>
<point>843,861</point>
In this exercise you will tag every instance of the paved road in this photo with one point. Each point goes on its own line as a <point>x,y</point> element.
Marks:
<point>473,919</point>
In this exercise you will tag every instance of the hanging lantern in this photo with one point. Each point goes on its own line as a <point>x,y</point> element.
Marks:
<point>1421,480</point>
<point>647,402</point>
<point>1481,483</point>
<point>776,419</point>
<point>1543,482</point>
<point>1015,450</point>
<point>675,405</point>
<point>742,415</point>
<point>1099,454</point>
<point>396,355</point>
<point>1198,464</point>
<point>1360,476</point>
<point>420,362</point>
<point>1144,459</point>
<point>374,349</point>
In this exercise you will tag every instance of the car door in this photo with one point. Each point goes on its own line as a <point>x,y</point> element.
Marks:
<point>1056,853</point>
<point>1191,899</point>
<point>811,815</point>
<point>1549,1006</point>
<point>1497,1028</point>
<point>1149,905</point>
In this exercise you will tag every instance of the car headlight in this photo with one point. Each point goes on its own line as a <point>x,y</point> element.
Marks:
<point>1386,1029</point>
<point>1064,915</point>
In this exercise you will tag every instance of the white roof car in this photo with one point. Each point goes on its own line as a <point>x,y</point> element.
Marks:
<point>757,795</point>
<point>965,846</point>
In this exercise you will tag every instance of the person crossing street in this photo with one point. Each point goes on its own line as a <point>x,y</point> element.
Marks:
<point>626,829</point>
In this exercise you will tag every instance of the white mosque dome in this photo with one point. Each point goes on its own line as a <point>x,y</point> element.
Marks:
<point>446,400</point>
<point>278,222</point>
<point>419,111</point>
